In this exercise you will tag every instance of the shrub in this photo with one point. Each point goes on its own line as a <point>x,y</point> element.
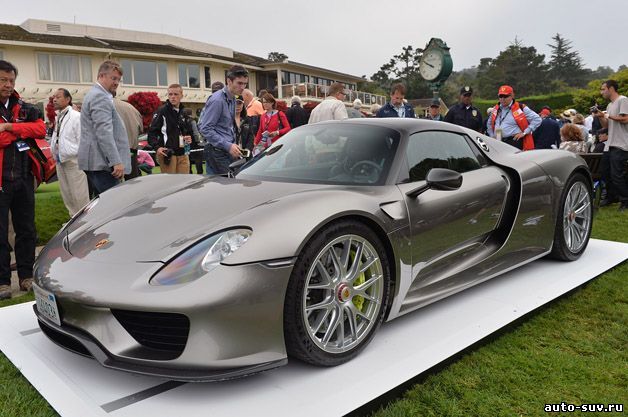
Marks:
<point>146,103</point>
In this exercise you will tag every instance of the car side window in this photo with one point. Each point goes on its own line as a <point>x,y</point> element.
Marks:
<point>437,149</point>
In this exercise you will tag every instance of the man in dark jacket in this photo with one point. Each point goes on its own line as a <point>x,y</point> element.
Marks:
<point>396,107</point>
<point>20,125</point>
<point>464,113</point>
<point>297,116</point>
<point>169,132</point>
<point>547,135</point>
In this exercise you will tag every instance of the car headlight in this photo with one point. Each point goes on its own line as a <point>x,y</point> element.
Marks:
<point>201,258</point>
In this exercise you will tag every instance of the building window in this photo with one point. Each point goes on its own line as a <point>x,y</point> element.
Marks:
<point>64,68</point>
<point>148,73</point>
<point>190,75</point>
<point>322,81</point>
<point>288,77</point>
<point>208,78</point>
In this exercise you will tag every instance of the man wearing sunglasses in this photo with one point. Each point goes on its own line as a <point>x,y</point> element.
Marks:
<point>512,122</point>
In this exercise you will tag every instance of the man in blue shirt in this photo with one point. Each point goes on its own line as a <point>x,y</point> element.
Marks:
<point>217,122</point>
<point>511,121</point>
<point>395,107</point>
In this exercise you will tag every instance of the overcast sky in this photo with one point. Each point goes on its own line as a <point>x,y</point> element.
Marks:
<point>358,36</point>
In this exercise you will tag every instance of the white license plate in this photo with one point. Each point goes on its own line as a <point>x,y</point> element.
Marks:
<point>47,305</point>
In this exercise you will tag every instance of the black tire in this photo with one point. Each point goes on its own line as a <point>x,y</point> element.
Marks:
<point>561,249</point>
<point>302,344</point>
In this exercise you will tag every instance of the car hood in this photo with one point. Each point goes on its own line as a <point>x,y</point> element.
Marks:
<point>153,218</point>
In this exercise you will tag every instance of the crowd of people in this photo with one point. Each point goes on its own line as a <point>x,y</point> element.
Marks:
<point>97,147</point>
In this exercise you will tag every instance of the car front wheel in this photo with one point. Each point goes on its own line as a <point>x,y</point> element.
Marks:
<point>337,295</point>
<point>574,222</point>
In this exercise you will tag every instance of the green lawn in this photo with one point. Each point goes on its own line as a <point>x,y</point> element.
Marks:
<point>50,212</point>
<point>573,350</point>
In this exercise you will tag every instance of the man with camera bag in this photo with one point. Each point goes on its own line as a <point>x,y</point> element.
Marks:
<point>170,132</point>
<point>20,162</point>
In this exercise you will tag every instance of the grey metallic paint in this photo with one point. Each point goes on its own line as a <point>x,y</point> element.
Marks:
<point>440,243</point>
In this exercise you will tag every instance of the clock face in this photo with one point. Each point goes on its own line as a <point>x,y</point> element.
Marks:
<point>431,64</point>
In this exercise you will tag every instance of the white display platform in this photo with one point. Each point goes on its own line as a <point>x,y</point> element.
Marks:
<point>402,349</point>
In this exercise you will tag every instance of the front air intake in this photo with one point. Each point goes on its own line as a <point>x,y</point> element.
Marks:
<point>165,332</point>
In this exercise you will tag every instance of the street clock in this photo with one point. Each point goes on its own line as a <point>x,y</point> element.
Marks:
<point>436,64</point>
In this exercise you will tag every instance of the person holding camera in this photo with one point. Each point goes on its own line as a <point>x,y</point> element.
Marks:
<point>217,119</point>
<point>170,134</point>
<point>616,120</point>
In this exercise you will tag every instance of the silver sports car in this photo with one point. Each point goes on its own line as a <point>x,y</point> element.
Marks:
<point>306,250</point>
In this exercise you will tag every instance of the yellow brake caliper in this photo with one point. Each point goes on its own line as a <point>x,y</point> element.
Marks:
<point>358,300</point>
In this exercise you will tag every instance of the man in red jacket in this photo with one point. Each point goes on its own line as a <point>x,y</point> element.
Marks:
<point>20,125</point>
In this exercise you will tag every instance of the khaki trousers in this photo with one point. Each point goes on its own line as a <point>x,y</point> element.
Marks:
<point>177,165</point>
<point>73,185</point>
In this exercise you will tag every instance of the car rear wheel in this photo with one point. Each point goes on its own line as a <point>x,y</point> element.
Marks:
<point>574,222</point>
<point>337,295</point>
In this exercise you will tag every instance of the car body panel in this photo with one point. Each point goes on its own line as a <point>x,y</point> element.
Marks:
<point>441,242</point>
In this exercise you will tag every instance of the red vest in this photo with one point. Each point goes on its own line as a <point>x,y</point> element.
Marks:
<point>520,119</point>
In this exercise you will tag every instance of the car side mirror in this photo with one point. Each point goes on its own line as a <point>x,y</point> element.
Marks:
<point>442,179</point>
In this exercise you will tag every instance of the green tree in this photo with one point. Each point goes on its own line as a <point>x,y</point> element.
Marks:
<point>277,57</point>
<point>451,90</point>
<point>406,64</point>
<point>601,72</point>
<point>519,66</point>
<point>404,67</point>
<point>372,87</point>
<point>565,63</point>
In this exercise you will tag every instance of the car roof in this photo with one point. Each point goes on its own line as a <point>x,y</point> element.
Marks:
<point>403,125</point>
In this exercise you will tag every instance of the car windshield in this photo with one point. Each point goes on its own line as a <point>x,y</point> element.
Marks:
<point>357,154</point>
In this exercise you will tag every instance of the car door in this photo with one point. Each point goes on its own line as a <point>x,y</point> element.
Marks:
<point>449,228</point>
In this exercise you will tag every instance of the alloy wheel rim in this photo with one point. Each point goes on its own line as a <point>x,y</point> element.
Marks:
<point>577,217</point>
<point>343,294</point>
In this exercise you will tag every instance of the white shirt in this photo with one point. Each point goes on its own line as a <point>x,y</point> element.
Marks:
<point>329,109</point>
<point>66,135</point>
<point>588,122</point>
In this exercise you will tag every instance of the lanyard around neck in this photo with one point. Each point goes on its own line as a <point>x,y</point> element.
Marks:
<point>61,117</point>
